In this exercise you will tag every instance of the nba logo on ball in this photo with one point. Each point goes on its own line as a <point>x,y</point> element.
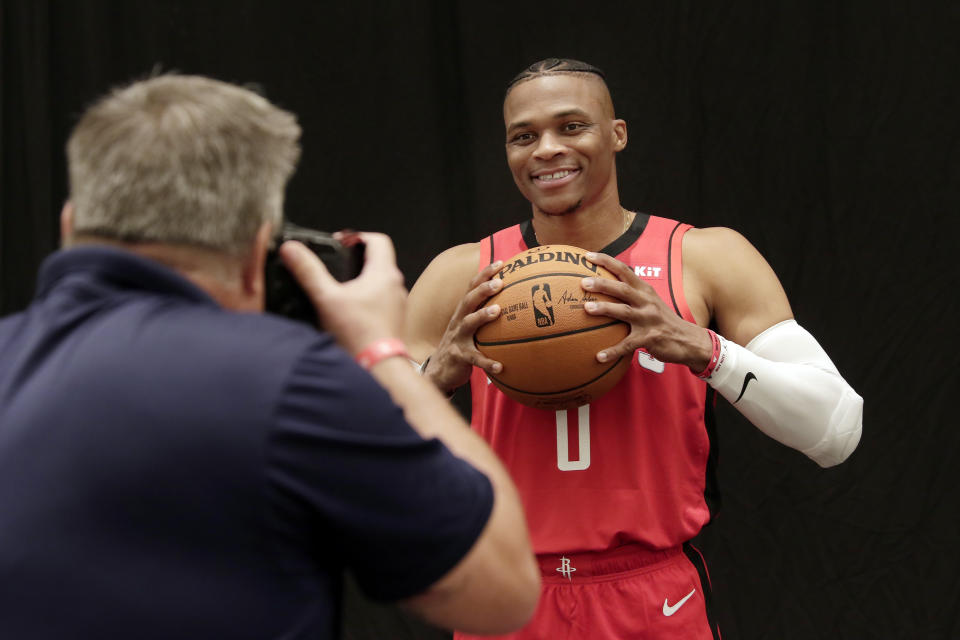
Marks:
<point>544,338</point>
<point>542,305</point>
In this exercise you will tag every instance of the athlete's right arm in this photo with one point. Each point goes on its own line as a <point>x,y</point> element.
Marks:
<point>443,313</point>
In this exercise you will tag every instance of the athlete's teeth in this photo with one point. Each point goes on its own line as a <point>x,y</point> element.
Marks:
<point>555,176</point>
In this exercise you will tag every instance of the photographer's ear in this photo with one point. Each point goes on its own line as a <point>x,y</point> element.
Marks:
<point>66,223</point>
<point>253,267</point>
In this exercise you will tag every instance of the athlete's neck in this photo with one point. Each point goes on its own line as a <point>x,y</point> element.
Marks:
<point>591,228</point>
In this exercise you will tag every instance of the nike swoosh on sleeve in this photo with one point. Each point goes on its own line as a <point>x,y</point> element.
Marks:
<point>746,380</point>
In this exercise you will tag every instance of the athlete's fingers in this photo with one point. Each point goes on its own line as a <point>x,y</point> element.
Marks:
<point>489,366</point>
<point>485,274</point>
<point>615,288</point>
<point>624,348</point>
<point>473,321</point>
<point>615,310</point>
<point>614,266</point>
<point>477,296</point>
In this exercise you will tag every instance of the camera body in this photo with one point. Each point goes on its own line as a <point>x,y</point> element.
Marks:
<point>284,296</point>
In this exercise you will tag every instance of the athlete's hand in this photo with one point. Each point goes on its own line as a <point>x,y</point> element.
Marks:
<point>654,326</point>
<point>358,311</point>
<point>454,358</point>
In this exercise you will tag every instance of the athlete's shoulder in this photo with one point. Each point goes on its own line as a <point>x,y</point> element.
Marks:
<point>711,247</point>
<point>459,254</point>
<point>457,263</point>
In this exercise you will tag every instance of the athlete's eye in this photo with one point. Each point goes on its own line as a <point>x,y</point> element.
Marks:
<point>572,127</point>
<point>522,138</point>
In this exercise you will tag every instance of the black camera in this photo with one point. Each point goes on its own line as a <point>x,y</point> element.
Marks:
<point>283,294</point>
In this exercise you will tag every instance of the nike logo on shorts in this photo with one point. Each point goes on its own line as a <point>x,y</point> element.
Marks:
<point>669,610</point>
<point>746,380</point>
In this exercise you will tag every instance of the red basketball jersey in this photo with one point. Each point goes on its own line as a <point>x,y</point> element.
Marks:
<point>631,467</point>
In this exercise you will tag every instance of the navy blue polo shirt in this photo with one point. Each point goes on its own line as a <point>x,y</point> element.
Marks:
<point>170,469</point>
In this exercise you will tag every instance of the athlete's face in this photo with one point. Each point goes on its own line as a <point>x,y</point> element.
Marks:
<point>562,138</point>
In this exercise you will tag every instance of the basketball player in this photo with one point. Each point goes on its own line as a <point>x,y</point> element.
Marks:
<point>615,490</point>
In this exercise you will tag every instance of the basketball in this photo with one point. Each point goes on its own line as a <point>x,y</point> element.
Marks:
<point>544,339</point>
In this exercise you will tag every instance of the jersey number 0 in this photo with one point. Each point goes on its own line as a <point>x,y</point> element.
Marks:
<point>564,463</point>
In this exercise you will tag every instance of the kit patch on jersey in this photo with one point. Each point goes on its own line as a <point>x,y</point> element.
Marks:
<point>649,363</point>
<point>650,272</point>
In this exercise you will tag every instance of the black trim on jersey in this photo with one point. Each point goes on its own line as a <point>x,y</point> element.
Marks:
<point>631,235</point>
<point>529,236</point>
<point>711,488</point>
<point>615,248</point>
<point>670,269</point>
<point>693,555</point>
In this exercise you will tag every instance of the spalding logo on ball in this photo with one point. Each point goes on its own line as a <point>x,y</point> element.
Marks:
<point>543,337</point>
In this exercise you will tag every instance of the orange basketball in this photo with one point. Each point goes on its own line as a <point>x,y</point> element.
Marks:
<point>545,340</point>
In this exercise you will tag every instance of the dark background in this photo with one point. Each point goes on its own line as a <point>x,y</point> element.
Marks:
<point>825,132</point>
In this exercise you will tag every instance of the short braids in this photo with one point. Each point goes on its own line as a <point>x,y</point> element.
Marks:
<point>553,66</point>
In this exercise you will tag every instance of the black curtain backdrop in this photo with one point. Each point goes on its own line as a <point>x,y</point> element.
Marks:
<point>826,132</point>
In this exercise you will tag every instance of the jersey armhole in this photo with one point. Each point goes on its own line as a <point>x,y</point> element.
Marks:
<point>675,272</point>
<point>486,253</point>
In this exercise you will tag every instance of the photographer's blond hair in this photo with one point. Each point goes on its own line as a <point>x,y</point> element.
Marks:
<point>181,160</point>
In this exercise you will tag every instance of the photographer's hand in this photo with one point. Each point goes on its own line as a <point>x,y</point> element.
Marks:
<point>359,311</point>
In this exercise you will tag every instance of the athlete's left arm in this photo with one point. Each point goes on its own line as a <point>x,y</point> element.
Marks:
<point>781,379</point>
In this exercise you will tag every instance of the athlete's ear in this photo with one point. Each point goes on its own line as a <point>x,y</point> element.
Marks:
<point>620,134</point>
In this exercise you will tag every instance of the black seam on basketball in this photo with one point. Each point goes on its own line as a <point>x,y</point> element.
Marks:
<point>491,249</point>
<point>553,393</point>
<point>670,269</point>
<point>546,337</point>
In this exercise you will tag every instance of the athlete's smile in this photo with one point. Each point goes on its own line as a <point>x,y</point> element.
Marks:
<point>554,178</point>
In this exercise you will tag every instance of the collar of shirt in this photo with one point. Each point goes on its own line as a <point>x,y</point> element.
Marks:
<point>116,270</point>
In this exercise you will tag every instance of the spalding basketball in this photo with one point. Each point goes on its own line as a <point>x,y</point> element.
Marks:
<point>543,337</point>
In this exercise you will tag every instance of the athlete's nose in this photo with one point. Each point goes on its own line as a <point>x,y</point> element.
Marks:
<point>549,145</point>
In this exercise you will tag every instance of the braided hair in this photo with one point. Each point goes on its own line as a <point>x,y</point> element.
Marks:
<point>554,66</point>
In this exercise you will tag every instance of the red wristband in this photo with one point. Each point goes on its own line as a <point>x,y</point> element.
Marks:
<point>381,349</point>
<point>714,357</point>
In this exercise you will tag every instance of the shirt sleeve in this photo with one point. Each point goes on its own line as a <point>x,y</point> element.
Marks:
<point>352,484</point>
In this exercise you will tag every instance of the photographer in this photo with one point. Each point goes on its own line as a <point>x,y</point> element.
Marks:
<point>176,464</point>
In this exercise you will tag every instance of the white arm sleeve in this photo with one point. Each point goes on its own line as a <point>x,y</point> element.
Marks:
<point>786,385</point>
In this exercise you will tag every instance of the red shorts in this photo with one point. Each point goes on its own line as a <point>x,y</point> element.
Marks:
<point>626,593</point>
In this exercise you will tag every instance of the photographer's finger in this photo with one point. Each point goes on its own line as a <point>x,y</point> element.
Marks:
<point>306,268</point>
<point>378,250</point>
